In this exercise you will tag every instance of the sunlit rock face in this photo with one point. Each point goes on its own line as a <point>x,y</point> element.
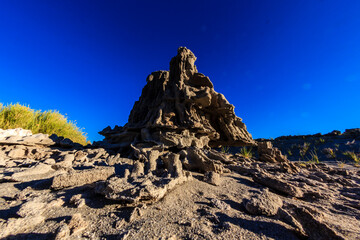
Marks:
<point>180,108</point>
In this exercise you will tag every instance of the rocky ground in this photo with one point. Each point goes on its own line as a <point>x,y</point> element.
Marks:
<point>49,190</point>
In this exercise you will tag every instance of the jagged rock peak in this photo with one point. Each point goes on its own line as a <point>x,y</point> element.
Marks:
<point>180,108</point>
<point>182,66</point>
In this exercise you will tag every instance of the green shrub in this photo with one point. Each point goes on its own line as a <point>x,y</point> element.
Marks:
<point>246,152</point>
<point>225,149</point>
<point>289,152</point>
<point>353,156</point>
<point>313,157</point>
<point>332,153</point>
<point>48,122</point>
<point>303,150</point>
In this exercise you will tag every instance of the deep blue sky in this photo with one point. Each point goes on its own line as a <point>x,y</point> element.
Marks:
<point>289,67</point>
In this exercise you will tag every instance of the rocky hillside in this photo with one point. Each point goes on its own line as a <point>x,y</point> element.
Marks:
<point>334,146</point>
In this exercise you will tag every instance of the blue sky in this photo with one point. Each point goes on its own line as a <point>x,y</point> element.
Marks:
<point>288,67</point>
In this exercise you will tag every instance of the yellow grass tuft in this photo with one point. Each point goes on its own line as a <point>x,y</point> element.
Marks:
<point>48,122</point>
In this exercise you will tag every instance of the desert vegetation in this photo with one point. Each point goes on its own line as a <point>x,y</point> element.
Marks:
<point>313,157</point>
<point>304,149</point>
<point>48,122</point>
<point>353,156</point>
<point>246,152</point>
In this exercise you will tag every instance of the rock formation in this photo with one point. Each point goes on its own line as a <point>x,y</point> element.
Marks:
<point>178,117</point>
<point>180,108</point>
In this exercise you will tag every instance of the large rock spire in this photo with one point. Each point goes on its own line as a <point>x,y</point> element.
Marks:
<point>180,108</point>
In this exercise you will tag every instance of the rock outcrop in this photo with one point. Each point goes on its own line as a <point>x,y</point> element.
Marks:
<point>172,128</point>
<point>268,153</point>
<point>180,108</point>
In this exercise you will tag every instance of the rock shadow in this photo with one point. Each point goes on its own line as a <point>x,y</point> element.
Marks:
<point>32,236</point>
<point>40,184</point>
<point>269,229</point>
<point>9,212</point>
<point>92,199</point>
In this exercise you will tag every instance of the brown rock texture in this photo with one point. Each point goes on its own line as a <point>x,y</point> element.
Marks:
<point>180,108</point>
<point>268,153</point>
<point>79,178</point>
<point>265,203</point>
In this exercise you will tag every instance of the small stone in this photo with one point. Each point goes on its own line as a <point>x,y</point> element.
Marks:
<point>212,178</point>
<point>81,156</point>
<point>77,201</point>
<point>63,232</point>
<point>120,223</point>
<point>77,224</point>
<point>69,157</point>
<point>220,204</point>
<point>136,212</point>
<point>278,184</point>
<point>14,132</point>
<point>50,161</point>
<point>55,203</point>
<point>138,169</point>
<point>10,164</point>
<point>17,153</point>
<point>225,225</point>
<point>2,162</point>
<point>114,159</point>
<point>265,203</point>
<point>268,153</point>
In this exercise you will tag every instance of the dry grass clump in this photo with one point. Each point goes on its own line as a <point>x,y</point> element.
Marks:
<point>353,156</point>
<point>48,122</point>
<point>225,149</point>
<point>313,157</point>
<point>246,152</point>
<point>304,149</point>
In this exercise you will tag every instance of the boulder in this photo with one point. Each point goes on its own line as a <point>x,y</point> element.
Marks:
<point>212,178</point>
<point>267,153</point>
<point>39,171</point>
<point>220,204</point>
<point>82,177</point>
<point>17,153</point>
<point>77,224</point>
<point>277,184</point>
<point>77,201</point>
<point>265,203</point>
